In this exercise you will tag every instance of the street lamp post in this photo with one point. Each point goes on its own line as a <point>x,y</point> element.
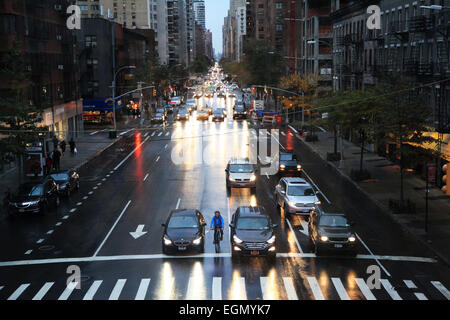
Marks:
<point>114,92</point>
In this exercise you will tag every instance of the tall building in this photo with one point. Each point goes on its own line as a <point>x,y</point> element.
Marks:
<point>190,30</point>
<point>177,32</point>
<point>199,9</point>
<point>49,52</point>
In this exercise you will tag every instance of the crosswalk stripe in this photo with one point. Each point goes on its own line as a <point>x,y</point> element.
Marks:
<point>154,132</point>
<point>441,289</point>
<point>194,289</point>
<point>283,133</point>
<point>167,134</point>
<point>117,289</point>
<point>43,291</point>
<point>340,289</point>
<point>142,291</point>
<point>420,296</point>
<point>16,294</point>
<point>265,294</point>
<point>290,289</point>
<point>68,291</point>
<point>160,134</point>
<point>92,290</point>
<point>365,289</point>
<point>318,295</point>
<point>238,291</point>
<point>390,289</point>
<point>217,288</point>
<point>410,284</point>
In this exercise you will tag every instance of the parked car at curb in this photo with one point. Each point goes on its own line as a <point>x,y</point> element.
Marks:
<point>67,181</point>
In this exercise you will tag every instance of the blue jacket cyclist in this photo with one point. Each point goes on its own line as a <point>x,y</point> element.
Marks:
<point>217,222</point>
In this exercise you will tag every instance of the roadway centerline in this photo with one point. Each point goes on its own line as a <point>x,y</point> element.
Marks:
<point>131,153</point>
<point>295,237</point>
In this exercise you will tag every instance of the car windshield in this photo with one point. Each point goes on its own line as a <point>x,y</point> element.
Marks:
<point>286,157</point>
<point>241,168</point>
<point>182,111</point>
<point>300,191</point>
<point>239,108</point>
<point>333,221</point>
<point>178,222</point>
<point>60,176</point>
<point>253,223</point>
<point>190,101</point>
<point>160,110</point>
<point>30,190</point>
<point>158,115</point>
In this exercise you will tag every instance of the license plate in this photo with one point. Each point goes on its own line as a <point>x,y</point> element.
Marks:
<point>181,248</point>
<point>254,253</point>
<point>338,245</point>
<point>21,210</point>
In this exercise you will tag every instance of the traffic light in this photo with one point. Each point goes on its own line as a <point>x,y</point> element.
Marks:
<point>446,179</point>
<point>154,92</point>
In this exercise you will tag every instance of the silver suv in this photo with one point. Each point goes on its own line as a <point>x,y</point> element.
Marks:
<point>296,196</point>
<point>240,173</point>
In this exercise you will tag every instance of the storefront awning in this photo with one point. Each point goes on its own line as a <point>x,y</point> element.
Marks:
<point>101,104</point>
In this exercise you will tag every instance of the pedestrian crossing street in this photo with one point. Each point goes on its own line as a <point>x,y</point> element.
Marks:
<point>236,288</point>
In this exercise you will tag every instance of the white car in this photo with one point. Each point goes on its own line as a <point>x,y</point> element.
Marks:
<point>176,101</point>
<point>296,196</point>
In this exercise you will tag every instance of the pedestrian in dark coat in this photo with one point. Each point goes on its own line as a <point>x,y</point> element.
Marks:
<point>56,159</point>
<point>72,145</point>
<point>63,146</point>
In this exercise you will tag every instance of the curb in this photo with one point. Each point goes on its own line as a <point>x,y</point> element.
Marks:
<point>98,153</point>
<point>381,206</point>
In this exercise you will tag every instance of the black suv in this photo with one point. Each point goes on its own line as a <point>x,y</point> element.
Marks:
<point>332,231</point>
<point>184,231</point>
<point>289,164</point>
<point>34,197</point>
<point>252,233</point>
<point>239,112</point>
<point>67,181</point>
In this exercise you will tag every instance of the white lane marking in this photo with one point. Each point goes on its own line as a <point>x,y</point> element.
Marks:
<point>65,217</point>
<point>99,184</point>
<point>40,241</point>
<point>290,289</point>
<point>90,192</point>
<point>146,134</point>
<point>124,132</point>
<point>43,291</point>
<point>165,147</point>
<point>276,139</point>
<point>50,231</point>
<point>157,159</point>
<point>160,134</point>
<point>79,203</point>
<point>420,296</point>
<point>108,175</point>
<point>229,219</point>
<point>178,203</point>
<point>142,291</point>
<point>146,176</point>
<point>95,188</point>
<point>293,129</point>
<point>390,289</point>
<point>239,292</point>
<point>204,255</point>
<point>111,172</point>
<point>318,295</point>
<point>92,290</point>
<point>217,288</point>
<point>295,237</point>
<point>16,294</point>
<point>1,287</point>
<point>117,289</point>
<point>365,289</point>
<point>193,292</point>
<point>85,197</point>
<point>284,134</point>
<point>58,224</point>
<point>441,289</point>
<point>28,252</point>
<point>104,179</point>
<point>131,153</point>
<point>312,181</point>
<point>167,134</point>
<point>112,228</point>
<point>370,251</point>
<point>340,289</point>
<point>68,291</point>
<point>91,134</point>
<point>154,132</point>
<point>410,284</point>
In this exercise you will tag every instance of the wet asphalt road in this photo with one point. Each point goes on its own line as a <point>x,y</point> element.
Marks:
<point>181,165</point>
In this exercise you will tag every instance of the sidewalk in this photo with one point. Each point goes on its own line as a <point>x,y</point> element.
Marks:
<point>385,184</point>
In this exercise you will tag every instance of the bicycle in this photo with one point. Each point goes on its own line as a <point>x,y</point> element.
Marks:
<point>217,237</point>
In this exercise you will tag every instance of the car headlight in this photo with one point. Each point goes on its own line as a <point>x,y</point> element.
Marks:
<point>291,203</point>
<point>197,241</point>
<point>352,238</point>
<point>253,177</point>
<point>317,203</point>
<point>167,241</point>
<point>236,239</point>
<point>231,178</point>
<point>271,240</point>
<point>282,166</point>
<point>324,238</point>
<point>30,203</point>
<point>299,166</point>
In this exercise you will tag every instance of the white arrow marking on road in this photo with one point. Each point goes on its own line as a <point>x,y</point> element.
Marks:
<point>139,231</point>
<point>305,227</point>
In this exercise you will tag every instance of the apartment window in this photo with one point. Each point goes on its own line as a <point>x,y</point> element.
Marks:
<point>279,5</point>
<point>84,8</point>
<point>279,27</point>
<point>261,6</point>
<point>95,7</point>
<point>260,21</point>
<point>91,41</point>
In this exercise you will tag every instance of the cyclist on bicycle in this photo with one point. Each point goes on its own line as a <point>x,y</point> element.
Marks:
<point>217,222</point>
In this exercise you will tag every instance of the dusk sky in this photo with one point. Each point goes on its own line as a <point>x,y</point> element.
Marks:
<point>216,10</point>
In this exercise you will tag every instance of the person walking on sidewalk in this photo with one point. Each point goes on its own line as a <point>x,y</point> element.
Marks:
<point>48,164</point>
<point>63,146</point>
<point>72,146</point>
<point>55,143</point>
<point>56,159</point>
